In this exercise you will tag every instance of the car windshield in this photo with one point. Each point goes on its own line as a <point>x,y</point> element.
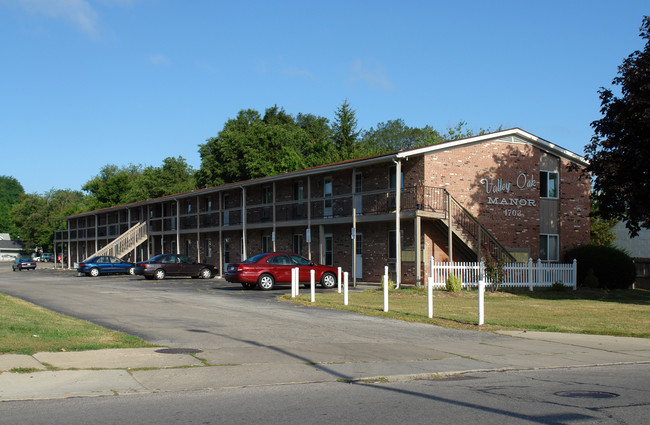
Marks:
<point>156,259</point>
<point>24,260</point>
<point>254,258</point>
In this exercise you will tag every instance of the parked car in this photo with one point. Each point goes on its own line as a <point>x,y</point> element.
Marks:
<point>47,257</point>
<point>61,258</point>
<point>174,265</point>
<point>23,263</point>
<point>267,270</point>
<point>104,264</point>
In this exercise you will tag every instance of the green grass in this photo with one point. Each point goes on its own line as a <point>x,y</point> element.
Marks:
<point>621,313</point>
<point>27,329</point>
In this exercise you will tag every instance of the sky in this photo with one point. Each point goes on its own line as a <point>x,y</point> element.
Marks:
<point>86,83</point>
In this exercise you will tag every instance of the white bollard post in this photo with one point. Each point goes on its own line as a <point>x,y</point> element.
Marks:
<point>386,288</point>
<point>339,279</point>
<point>481,297</point>
<point>293,282</point>
<point>430,296</point>
<point>345,288</point>
<point>312,276</point>
<point>297,281</point>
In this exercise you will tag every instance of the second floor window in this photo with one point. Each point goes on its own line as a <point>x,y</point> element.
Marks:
<point>548,184</point>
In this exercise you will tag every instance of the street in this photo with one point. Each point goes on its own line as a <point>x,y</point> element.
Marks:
<point>504,379</point>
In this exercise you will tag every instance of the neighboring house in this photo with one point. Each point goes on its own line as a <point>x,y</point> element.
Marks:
<point>509,193</point>
<point>9,249</point>
<point>639,249</point>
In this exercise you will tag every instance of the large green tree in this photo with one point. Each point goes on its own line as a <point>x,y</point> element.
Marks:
<point>116,185</point>
<point>251,146</point>
<point>619,152</point>
<point>10,192</point>
<point>34,215</point>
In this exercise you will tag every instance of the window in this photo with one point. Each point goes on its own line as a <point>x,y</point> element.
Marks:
<point>208,248</point>
<point>327,194</point>
<point>188,247</point>
<point>298,191</point>
<point>549,247</point>
<point>189,207</point>
<point>393,178</point>
<point>549,182</point>
<point>267,195</point>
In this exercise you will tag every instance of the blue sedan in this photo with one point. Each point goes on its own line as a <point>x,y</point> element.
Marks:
<point>104,264</point>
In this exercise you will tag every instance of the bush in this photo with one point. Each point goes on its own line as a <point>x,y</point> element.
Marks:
<point>611,268</point>
<point>453,283</point>
<point>559,286</point>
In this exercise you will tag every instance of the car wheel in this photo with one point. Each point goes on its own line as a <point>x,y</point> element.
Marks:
<point>13,268</point>
<point>131,270</point>
<point>206,274</point>
<point>266,282</point>
<point>159,274</point>
<point>328,280</point>
<point>94,272</point>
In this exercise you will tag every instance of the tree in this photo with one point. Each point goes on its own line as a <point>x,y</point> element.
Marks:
<point>345,132</point>
<point>10,192</point>
<point>174,176</point>
<point>251,146</point>
<point>33,215</point>
<point>619,151</point>
<point>600,231</point>
<point>112,186</point>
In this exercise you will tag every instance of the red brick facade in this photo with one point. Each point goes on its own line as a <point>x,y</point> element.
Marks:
<point>496,178</point>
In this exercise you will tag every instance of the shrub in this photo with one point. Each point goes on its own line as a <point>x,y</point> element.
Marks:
<point>453,283</point>
<point>611,267</point>
<point>559,286</point>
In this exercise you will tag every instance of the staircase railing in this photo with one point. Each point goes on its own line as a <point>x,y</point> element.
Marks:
<point>476,232</point>
<point>126,242</point>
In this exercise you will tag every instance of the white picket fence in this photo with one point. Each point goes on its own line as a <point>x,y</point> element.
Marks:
<point>517,275</point>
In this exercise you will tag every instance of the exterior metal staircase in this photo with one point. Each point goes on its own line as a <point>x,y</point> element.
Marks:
<point>473,234</point>
<point>126,242</point>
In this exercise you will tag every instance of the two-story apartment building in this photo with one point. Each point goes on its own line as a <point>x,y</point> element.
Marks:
<point>508,193</point>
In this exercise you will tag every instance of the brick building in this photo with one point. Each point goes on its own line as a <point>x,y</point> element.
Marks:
<point>509,193</point>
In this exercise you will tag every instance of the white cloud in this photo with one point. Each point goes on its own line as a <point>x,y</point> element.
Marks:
<point>77,12</point>
<point>372,73</point>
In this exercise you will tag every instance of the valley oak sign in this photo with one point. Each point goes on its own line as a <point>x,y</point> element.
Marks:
<point>500,192</point>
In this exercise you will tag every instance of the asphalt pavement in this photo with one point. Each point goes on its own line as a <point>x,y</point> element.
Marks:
<point>265,356</point>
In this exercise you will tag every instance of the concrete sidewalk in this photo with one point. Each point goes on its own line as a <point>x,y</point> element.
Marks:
<point>147,370</point>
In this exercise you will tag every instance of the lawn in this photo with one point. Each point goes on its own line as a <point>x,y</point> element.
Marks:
<point>27,329</point>
<point>622,313</point>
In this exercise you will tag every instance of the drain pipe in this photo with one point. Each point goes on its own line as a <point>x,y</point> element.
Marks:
<point>398,244</point>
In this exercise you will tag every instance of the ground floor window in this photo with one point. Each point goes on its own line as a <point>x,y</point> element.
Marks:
<point>549,247</point>
<point>188,248</point>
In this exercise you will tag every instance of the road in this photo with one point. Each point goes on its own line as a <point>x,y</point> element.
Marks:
<point>607,395</point>
<point>232,326</point>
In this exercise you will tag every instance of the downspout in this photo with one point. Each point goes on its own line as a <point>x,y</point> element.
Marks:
<point>243,221</point>
<point>398,245</point>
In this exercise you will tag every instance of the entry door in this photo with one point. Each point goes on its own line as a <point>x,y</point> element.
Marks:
<point>329,250</point>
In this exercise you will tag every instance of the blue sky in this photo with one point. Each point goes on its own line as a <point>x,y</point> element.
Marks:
<point>85,83</point>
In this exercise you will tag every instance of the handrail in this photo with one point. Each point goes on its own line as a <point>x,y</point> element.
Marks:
<point>125,242</point>
<point>479,234</point>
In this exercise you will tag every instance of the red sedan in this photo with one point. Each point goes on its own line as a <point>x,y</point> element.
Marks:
<point>267,270</point>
